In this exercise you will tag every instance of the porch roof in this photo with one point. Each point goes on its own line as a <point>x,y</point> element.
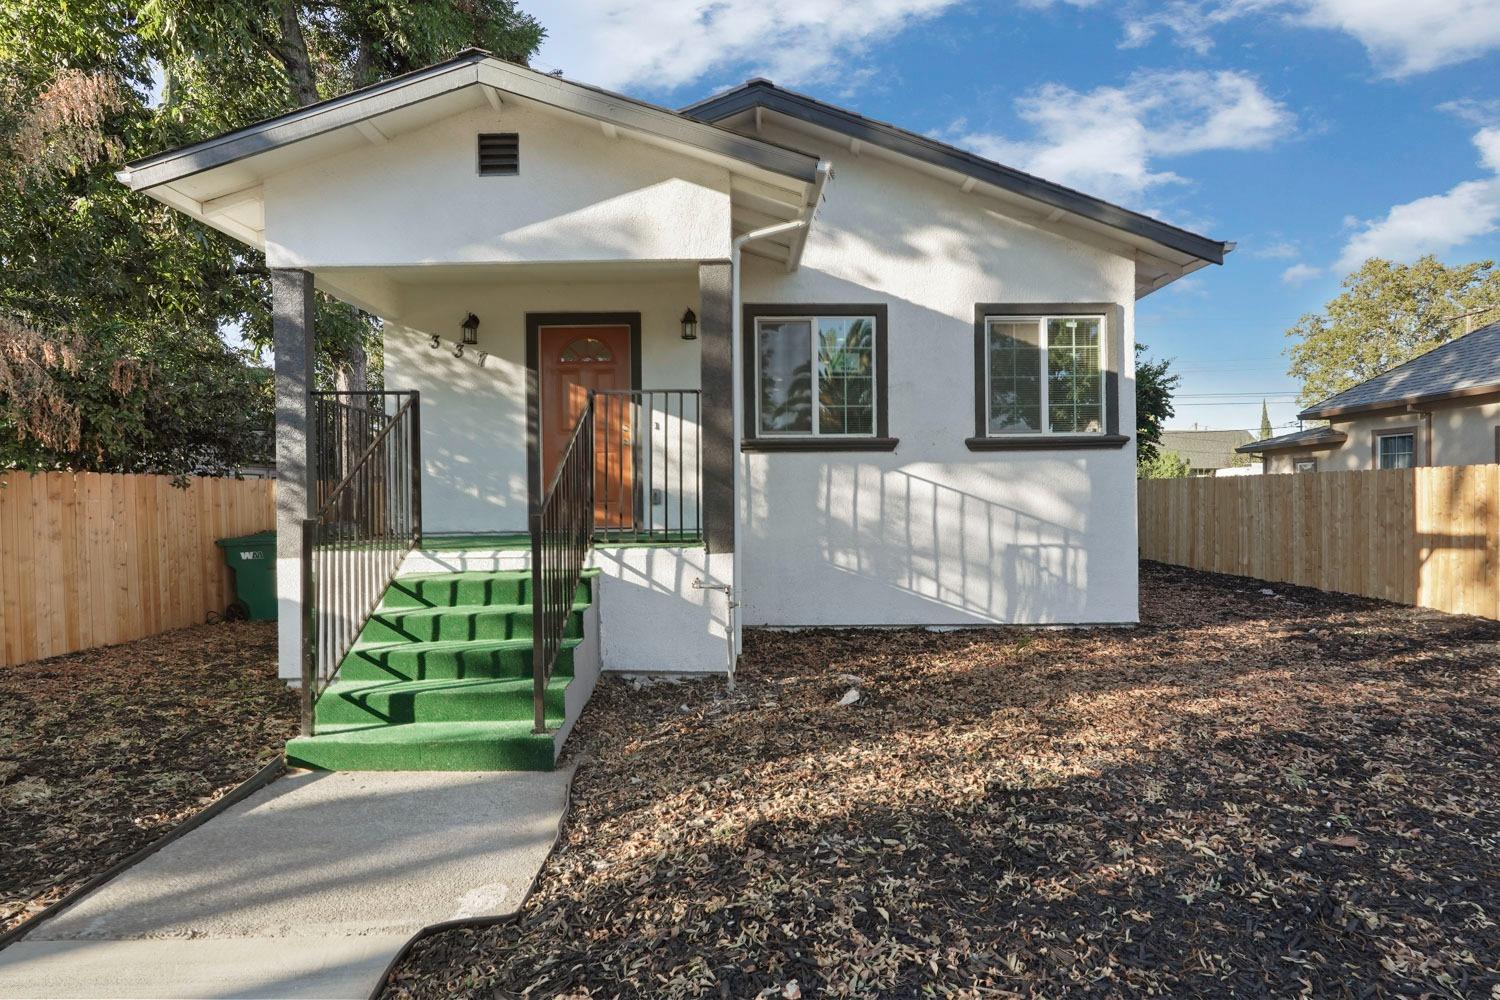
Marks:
<point>218,180</point>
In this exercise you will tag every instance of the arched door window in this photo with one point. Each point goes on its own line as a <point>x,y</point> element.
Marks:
<point>586,350</point>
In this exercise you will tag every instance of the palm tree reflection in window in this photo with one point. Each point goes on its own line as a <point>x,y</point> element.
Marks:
<point>846,375</point>
<point>785,376</point>
<point>586,349</point>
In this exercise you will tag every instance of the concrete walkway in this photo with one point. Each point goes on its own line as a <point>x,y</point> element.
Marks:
<point>307,888</point>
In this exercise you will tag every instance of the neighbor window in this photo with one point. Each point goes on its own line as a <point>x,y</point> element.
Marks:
<point>1044,374</point>
<point>1395,451</point>
<point>816,376</point>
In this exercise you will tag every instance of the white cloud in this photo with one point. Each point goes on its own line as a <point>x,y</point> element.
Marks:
<point>1298,273</point>
<point>1106,141</point>
<point>1280,250</point>
<point>1402,37</point>
<point>1411,36</point>
<point>664,44</point>
<point>1438,222</point>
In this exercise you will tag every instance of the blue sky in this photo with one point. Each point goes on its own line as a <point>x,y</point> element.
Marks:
<point>1312,132</point>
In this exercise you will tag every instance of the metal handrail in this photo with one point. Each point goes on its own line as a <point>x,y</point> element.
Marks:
<point>562,533</point>
<point>354,543</point>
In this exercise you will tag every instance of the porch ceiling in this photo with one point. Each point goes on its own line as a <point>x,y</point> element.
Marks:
<point>385,291</point>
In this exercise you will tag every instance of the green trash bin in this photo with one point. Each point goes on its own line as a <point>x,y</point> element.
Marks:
<point>252,559</point>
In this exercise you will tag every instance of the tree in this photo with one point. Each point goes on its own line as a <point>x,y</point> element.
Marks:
<point>1163,465</point>
<point>1154,385</point>
<point>87,262</point>
<point>1388,313</point>
<point>1265,421</point>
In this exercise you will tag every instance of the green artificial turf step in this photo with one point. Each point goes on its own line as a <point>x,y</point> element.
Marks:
<point>425,746</point>
<point>449,660</point>
<point>441,679</point>
<point>511,587</point>
<point>465,622</point>
<point>347,702</point>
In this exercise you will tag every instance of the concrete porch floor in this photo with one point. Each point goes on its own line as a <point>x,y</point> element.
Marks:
<point>306,889</point>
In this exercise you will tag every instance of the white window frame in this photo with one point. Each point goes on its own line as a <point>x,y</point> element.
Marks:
<point>812,322</point>
<point>1380,439</point>
<point>1042,320</point>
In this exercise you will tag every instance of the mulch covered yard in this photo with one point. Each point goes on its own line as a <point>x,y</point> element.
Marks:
<point>1290,794</point>
<point>104,751</point>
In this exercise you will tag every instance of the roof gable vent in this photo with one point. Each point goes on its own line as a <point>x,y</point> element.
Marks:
<point>499,154</point>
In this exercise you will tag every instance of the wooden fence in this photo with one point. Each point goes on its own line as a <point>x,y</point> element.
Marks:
<point>88,559</point>
<point>1428,536</point>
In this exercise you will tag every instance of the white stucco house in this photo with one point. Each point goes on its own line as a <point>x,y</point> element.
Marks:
<point>836,373</point>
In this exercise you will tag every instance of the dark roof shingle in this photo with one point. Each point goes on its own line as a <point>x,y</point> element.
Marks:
<point>1465,365</point>
<point>1297,439</point>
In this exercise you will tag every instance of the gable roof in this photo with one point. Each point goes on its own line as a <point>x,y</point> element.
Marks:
<point>469,68</point>
<point>762,94</point>
<point>1465,366</point>
<point>1313,437</point>
<point>217,180</point>
<point>1204,449</point>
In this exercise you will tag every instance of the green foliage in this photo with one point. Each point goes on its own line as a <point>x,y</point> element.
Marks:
<point>1265,422</point>
<point>1162,465</point>
<point>92,405</point>
<point>1154,385</point>
<point>83,261</point>
<point>1388,313</point>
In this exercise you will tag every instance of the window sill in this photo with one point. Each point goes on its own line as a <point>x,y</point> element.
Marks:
<point>819,444</point>
<point>1053,442</point>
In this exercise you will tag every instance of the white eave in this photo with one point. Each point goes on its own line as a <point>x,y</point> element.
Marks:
<point>219,181</point>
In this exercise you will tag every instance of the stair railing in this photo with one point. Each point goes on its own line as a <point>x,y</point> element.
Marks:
<point>649,454</point>
<point>562,533</point>
<point>363,527</point>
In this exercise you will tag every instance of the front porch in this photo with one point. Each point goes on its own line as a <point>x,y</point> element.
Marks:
<point>516,514</point>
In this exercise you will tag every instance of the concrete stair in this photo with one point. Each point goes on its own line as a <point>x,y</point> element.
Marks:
<point>440,679</point>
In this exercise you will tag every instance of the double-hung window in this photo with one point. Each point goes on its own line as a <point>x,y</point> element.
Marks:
<point>1396,451</point>
<point>815,375</point>
<point>1045,376</point>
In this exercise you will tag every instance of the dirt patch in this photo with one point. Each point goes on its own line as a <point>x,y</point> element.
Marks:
<point>103,751</point>
<point>1253,794</point>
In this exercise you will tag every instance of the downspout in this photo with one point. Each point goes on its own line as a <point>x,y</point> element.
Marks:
<point>736,624</point>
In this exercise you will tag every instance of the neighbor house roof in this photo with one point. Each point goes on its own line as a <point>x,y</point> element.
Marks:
<point>757,95</point>
<point>1466,366</point>
<point>1205,449</point>
<point>1313,437</point>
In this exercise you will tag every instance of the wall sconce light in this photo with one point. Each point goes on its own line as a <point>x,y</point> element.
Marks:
<point>689,325</point>
<point>471,330</point>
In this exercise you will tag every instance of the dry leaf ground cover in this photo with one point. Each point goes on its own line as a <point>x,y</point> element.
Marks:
<point>104,751</point>
<point>1272,796</point>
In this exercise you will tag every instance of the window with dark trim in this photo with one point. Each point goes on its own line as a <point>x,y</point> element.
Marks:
<point>1396,449</point>
<point>815,378</point>
<point>1046,375</point>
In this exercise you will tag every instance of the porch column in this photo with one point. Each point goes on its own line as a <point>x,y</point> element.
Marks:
<point>717,419</point>
<point>292,329</point>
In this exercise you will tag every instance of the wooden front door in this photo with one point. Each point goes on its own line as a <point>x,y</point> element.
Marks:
<point>573,361</point>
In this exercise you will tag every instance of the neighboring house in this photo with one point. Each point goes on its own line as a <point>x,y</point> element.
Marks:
<point>1442,408</point>
<point>906,394</point>
<point>1206,452</point>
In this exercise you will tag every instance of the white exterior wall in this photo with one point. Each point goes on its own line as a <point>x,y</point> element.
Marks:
<point>474,419</point>
<point>934,534</point>
<point>419,199</point>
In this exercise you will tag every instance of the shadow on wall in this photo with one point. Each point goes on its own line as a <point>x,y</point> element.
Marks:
<point>473,432</point>
<point>950,537</point>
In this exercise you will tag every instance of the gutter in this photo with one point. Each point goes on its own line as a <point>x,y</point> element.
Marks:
<point>737,376</point>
